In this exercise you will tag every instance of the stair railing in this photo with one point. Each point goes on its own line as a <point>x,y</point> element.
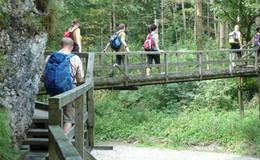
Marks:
<point>61,146</point>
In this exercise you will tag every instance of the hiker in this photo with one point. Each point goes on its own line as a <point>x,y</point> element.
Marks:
<point>256,40</point>
<point>118,44</point>
<point>74,33</point>
<point>63,71</point>
<point>235,40</point>
<point>152,44</point>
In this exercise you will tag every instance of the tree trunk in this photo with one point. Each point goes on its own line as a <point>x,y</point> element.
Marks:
<point>208,20</point>
<point>162,21</point>
<point>199,24</point>
<point>183,15</point>
<point>221,35</point>
<point>114,15</point>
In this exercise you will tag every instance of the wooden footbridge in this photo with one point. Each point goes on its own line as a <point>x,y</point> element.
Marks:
<point>179,66</point>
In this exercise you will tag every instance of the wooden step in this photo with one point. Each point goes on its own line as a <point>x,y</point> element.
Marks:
<point>36,141</point>
<point>37,132</point>
<point>35,156</point>
<point>38,119</point>
<point>40,116</point>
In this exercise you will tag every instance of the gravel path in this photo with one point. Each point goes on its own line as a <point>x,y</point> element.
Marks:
<point>131,152</point>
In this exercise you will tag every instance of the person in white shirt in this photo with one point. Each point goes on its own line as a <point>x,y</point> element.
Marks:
<point>77,75</point>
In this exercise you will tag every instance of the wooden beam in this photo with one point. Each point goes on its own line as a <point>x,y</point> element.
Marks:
<point>71,133</point>
<point>240,96</point>
<point>79,126</point>
<point>61,144</point>
<point>69,96</point>
<point>106,83</point>
<point>91,117</point>
<point>258,81</point>
<point>41,105</point>
<point>88,156</point>
<point>55,114</point>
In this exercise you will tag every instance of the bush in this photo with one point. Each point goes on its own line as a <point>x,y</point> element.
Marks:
<point>7,151</point>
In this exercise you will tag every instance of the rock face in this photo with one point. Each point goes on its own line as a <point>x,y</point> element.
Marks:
<point>24,45</point>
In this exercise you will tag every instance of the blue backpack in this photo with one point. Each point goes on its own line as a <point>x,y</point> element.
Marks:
<point>115,42</point>
<point>57,74</point>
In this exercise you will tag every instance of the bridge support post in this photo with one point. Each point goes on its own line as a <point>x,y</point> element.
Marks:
<point>79,125</point>
<point>91,117</point>
<point>240,96</point>
<point>258,82</point>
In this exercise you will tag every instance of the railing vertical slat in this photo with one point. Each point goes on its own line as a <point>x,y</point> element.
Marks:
<point>256,61</point>
<point>55,118</point>
<point>200,64</point>
<point>166,66</point>
<point>91,117</point>
<point>126,68</point>
<point>177,63</point>
<point>230,62</point>
<point>79,125</point>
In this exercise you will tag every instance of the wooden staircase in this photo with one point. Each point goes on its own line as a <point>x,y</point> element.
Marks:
<point>36,143</point>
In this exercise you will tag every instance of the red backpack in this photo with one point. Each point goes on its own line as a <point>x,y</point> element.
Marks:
<point>149,43</point>
<point>68,34</point>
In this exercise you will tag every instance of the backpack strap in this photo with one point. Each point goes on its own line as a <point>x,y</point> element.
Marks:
<point>70,56</point>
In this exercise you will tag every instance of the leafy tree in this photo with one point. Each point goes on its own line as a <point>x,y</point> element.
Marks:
<point>246,10</point>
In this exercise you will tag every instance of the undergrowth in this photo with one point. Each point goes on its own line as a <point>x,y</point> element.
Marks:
<point>7,151</point>
<point>140,117</point>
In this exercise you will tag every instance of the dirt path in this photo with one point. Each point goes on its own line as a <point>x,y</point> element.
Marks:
<point>131,152</point>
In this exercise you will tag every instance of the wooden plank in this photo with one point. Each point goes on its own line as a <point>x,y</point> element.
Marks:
<point>177,62</point>
<point>91,117</point>
<point>166,66</point>
<point>106,83</point>
<point>126,68</point>
<point>240,98</point>
<point>258,82</point>
<point>256,60</point>
<point>69,96</point>
<point>88,156</point>
<point>55,113</point>
<point>103,147</point>
<point>230,62</point>
<point>71,133</point>
<point>79,126</point>
<point>36,141</point>
<point>200,64</point>
<point>61,144</point>
<point>38,132</point>
<point>85,118</point>
<point>90,71</point>
<point>180,52</point>
<point>41,105</point>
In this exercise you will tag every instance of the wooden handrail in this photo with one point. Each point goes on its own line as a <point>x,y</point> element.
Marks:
<point>85,54</point>
<point>175,66</point>
<point>56,103</point>
<point>67,97</point>
<point>62,145</point>
<point>174,52</point>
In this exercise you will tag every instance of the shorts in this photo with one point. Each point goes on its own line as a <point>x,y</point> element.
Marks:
<point>236,46</point>
<point>155,57</point>
<point>69,113</point>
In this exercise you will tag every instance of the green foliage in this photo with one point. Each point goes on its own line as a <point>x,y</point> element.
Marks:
<point>246,10</point>
<point>7,151</point>
<point>216,95</point>
<point>186,129</point>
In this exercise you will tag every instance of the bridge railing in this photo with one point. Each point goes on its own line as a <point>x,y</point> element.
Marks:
<point>61,145</point>
<point>182,65</point>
